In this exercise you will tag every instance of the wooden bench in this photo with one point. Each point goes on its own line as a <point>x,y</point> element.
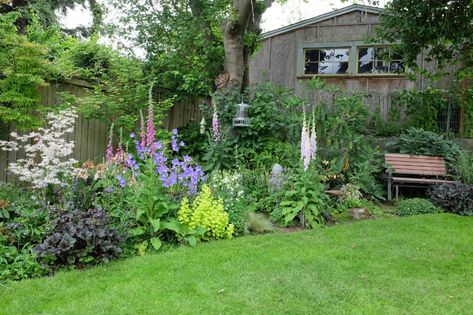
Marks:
<point>414,171</point>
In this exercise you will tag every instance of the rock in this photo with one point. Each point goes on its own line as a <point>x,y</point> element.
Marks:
<point>359,213</point>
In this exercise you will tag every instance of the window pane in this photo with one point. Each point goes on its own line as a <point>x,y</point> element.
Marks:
<point>326,54</point>
<point>365,67</point>
<point>341,54</point>
<point>381,67</point>
<point>382,53</point>
<point>325,68</point>
<point>365,54</point>
<point>396,67</point>
<point>312,55</point>
<point>311,68</point>
<point>340,67</point>
<point>397,55</point>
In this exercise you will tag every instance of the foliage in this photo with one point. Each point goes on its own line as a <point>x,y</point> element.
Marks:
<point>440,29</point>
<point>47,150</point>
<point>351,191</point>
<point>181,60</point>
<point>79,238</point>
<point>420,142</point>
<point>422,108</point>
<point>468,110</point>
<point>456,197</point>
<point>194,140</point>
<point>343,205</point>
<point>346,154</point>
<point>24,67</point>
<point>463,167</point>
<point>258,223</point>
<point>221,154</point>
<point>208,213</point>
<point>228,187</point>
<point>305,197</point>
<point>415,206</point>
<point>17,264</point>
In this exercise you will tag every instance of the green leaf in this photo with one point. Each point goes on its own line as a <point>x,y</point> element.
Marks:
<point>156,223</point>
<point>172,225</point>
<point>191,240</point>
<point>136,232</point>
<point>142,248</point>
<point>156,243</point>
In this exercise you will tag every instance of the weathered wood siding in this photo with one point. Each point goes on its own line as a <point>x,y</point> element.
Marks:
<point>277,61</point>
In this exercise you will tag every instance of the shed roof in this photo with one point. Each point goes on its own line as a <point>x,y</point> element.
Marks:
<point>323,17</point>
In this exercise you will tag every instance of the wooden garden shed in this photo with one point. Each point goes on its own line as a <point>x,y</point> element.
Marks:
<point>337,46</point>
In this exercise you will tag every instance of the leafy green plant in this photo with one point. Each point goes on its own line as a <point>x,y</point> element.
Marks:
<point>208,213</point>
<point>463,167</point>
<point>228,187</point>
<point>79,238</point>
<point>154,210</point>
<point>415,206</point>
<point>17,264</point>
<point>456,197</point>
<point>304,197</point>
<point>420,142</point>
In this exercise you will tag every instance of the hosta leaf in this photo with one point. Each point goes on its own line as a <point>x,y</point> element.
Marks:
<point>156,223</point>
<point>172,225</point>
<point>156,243</point>
<point>136,231</point>
<point>191,240</point>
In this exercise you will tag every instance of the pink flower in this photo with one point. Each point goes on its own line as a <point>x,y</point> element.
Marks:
<point>150,127</point>
<point>215,127</point>
<point>313,142</point>
<point>109,150</point>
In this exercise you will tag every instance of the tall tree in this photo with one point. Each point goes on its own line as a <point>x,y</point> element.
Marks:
<point>443,29</point>
<point>45,11</point>
<point>188,43</point>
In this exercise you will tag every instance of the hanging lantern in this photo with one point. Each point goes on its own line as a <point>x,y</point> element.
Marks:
<point>241,118</point>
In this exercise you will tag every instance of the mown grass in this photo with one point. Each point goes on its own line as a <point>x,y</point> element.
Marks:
<point>413,265</point>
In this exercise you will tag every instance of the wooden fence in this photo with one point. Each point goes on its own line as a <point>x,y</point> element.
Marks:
<point>91,135</point>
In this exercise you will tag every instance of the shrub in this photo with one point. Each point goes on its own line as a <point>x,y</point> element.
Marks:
<point>463,167</point>
<point>416,206</point>
<point>228,186</point>
<point>258,223</point>
<point>17,264</point>
<point>456,197</point>
<point>206,212</point>
<point>420,142</point>
<point>79,238</point>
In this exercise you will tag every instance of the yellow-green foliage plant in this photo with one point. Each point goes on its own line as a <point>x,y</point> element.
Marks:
<point>207,212</point>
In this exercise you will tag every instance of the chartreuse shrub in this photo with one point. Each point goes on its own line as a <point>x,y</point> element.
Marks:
<point>416,206</point>
<point>207,212</point>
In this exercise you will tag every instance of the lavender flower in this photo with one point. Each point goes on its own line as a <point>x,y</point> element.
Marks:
<point>174,145</point>
<point>121,181</point>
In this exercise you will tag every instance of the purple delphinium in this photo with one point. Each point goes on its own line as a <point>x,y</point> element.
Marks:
<point>132,164</point>
<point>174,144</point>
<point>121,181</point>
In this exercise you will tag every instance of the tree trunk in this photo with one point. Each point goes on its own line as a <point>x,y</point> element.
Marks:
<point>246,18</point>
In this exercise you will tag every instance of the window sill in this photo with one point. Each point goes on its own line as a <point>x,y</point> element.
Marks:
<point>353,76</point>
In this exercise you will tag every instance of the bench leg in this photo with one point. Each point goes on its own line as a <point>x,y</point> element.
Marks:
<point>390,190</point>
<point>397,192</point>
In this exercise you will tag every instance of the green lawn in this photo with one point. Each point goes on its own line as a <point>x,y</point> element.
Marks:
<point>414,265</point>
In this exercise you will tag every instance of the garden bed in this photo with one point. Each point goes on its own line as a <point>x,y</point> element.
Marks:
<point>417,264</point>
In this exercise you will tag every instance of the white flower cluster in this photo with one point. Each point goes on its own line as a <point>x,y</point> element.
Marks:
<point>229,185</point>
<point>47,151</point>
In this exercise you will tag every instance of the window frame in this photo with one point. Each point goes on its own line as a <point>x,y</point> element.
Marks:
<point>352,71</point>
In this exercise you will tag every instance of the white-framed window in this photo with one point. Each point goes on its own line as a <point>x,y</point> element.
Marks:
<point>326,61</point>
<point>379,60</point>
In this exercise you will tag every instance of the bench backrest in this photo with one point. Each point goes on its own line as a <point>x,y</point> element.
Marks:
<point>416,164</point>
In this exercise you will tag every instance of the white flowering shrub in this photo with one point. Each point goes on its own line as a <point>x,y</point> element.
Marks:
<point>48,152</point>
<point>228,186</point>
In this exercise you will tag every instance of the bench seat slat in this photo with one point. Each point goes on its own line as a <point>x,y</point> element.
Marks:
<point>420,180</point>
